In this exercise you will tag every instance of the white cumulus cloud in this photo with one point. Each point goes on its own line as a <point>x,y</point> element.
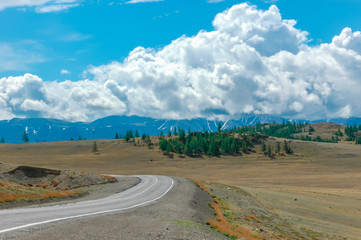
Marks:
<point>252,62</point>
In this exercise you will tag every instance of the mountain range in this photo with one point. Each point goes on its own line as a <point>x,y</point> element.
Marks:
<point>49,130</point>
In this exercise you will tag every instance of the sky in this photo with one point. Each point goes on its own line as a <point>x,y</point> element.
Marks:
<point>81,60</point>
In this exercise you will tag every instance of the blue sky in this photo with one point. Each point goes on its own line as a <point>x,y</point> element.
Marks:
<point>91,43</point>
<point>97,32</point>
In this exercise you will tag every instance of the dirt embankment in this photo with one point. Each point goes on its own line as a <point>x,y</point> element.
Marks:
<point>24,185</point>
<point>56,179</point>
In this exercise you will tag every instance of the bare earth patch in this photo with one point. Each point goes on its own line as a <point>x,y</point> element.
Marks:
<point>25,185</point>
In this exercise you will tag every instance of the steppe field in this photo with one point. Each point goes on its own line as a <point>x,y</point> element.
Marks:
<point>317,188</point>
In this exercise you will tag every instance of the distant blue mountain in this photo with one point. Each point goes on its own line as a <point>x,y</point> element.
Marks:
<point>49,130</point>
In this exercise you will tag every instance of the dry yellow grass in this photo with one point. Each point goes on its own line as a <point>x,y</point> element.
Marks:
<point>221,223</point>
<point>325,178</point>
<point>10,192</point>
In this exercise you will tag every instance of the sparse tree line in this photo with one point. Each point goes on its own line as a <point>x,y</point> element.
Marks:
<point>289,129</point>
<point>271,153</point>
<point>284,130</point>
<point>130,136</point>
<point>353,133</point>
<point>333,139</point>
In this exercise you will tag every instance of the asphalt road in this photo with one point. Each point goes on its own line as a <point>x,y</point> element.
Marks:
<point>150,189</point>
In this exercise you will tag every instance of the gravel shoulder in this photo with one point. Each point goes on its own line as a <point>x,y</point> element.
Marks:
<point>179,215</point>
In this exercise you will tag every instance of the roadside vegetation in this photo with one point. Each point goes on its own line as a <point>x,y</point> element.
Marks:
<point>221,223</point>
<point>24,183</point>
<point>239,215</point>
<point>10,192</point>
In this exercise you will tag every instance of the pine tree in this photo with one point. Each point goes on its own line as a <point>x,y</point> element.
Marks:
<point>206,134</point>
<point>95,148</point>
<point>225,146</point>
<point>149,142</point>
<point>168,148</point>
<point>278,147</point>
<point>163,144</point>
<point>187,148</point>
<point>2,140</point>
<point>182,136</point>
<point>175,131</point>
<point>202,144</point>
<point>25,137</point>
<point>287,148</point>
<point>244,148</point>
<point>144,136</point>
<point>269,151</point>
<point>213,148</point>
<point>136,134</point>
<point>127,136</point>
<point>234,147</point>
<point>169,133</point>
<point>177,146</point>
<point>339,133</point>
<point>194,147</point>
<point>219,128</point>
<point>263,147</point>
<point>311,130</point>
<point>116,136</point>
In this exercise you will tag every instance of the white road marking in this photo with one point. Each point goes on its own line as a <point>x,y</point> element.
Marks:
<point>89,214</point>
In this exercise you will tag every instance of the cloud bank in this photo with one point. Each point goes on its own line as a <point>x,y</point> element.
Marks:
<point>252,62</point>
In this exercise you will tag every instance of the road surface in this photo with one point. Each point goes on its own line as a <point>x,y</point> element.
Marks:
<point>150,189</point>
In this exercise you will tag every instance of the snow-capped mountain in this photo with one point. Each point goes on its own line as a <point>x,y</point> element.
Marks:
<point>48,130</point>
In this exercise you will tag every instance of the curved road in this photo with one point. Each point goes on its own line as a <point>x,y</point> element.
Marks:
<point>150,189</point>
